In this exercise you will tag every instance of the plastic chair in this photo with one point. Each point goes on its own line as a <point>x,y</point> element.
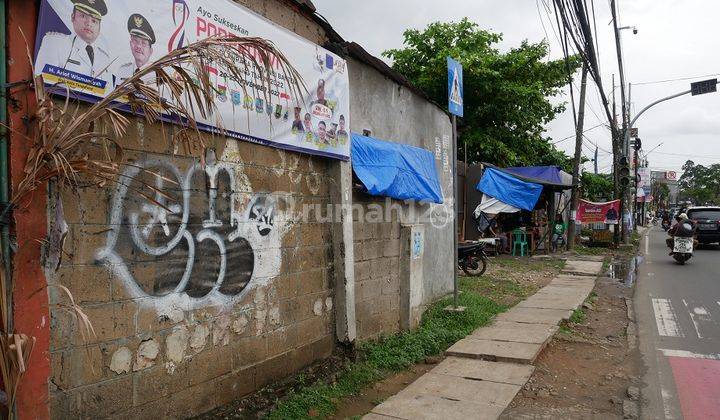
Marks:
<point>519,239</point>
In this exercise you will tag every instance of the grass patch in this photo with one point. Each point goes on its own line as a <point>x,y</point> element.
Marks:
<point>578,316</point>
<point>438,331</point>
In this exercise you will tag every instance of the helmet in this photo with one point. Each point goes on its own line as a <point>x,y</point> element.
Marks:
<point>683,216</point>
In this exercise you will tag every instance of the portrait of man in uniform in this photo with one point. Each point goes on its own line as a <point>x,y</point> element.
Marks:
<point>142,39</point>
<point>80,51</point>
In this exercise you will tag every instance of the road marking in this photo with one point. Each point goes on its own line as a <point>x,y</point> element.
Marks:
<point>647,245</point>
<point>688,354</point>
<point>697,315</point>
<point>665,318</point>
<point>667,399</point>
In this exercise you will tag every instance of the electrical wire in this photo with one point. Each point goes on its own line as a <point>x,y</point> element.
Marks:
<point>573,135</point>
<point>674,80</point>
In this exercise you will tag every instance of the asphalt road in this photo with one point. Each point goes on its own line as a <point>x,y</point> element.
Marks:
<point>678,314</point>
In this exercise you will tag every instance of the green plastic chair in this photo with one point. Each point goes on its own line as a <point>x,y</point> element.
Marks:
<point>519,240</point>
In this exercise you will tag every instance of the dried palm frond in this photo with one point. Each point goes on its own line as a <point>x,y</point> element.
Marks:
<point>177,88</point>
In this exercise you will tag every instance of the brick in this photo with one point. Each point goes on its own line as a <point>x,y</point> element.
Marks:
<point>373,250</point>
<point>247,351</point>
<point>362,270</point>
<point>87,284</point>
<point>390,286</point>
<point>233,386</point>
<point>311,282</point>
<point>287,285</point>
<point>367,289</point>
<point>358,232</point>
<point>312,329</point>
<point>101,400</point>
<point>210,363</point>
<point>391,248</point>
<point>272,370</point>
<point>155,382</point>
<point>282,340</point>
<point>77,367</point>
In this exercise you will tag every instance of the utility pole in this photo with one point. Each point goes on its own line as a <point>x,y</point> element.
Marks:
<point>625,203</point>
<point>578,156</point>
<point>595,160</point>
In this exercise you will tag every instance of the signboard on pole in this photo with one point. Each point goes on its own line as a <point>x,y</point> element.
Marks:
<point>705,86</point>
<point>455,87</point>
<point>671,176</point>
<point>90,61</point>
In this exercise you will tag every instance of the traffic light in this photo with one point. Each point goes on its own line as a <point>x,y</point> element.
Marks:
<point>637,144</point>
<point>624,171</point>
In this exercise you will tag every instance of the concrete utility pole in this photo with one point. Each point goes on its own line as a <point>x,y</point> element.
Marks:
<point>625,203</point>
<point>578,156</point>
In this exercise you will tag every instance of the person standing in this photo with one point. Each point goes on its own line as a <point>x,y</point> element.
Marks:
<point>142,39</point>
<point>79,52</point>
<point>558,232</point>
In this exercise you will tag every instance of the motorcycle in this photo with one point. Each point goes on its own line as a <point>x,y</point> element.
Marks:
<point>666,225</point>
<point>472,258</point>
<point>683,242</point>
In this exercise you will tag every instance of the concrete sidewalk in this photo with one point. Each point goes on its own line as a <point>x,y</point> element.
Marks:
<point>485,370</point>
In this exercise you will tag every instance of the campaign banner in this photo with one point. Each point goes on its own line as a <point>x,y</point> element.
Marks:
<point>589,212</point>
<point>90,46</point>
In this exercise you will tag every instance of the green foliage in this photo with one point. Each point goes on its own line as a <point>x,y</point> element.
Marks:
<point>506,95</point>
<point>439,329</point>
<point>596,187</point>
<point>700,184</point>
<point>578,316</point>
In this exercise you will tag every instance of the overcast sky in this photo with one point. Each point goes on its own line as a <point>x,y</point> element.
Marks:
<point>676,39</point>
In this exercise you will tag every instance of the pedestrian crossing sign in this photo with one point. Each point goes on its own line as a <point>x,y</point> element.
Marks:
<point>455,87</point>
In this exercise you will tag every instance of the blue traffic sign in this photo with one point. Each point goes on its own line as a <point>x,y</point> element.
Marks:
<point>455,87</point>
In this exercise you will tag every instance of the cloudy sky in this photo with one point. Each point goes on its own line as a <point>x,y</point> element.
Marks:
<point>676,39</point>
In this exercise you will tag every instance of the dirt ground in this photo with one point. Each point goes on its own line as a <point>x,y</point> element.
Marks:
<point>586,370</point>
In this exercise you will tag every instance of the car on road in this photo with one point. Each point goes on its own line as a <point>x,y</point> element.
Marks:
<point>707,220</point>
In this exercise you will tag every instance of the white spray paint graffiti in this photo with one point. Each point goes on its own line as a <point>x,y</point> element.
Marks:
<point>193,254</point>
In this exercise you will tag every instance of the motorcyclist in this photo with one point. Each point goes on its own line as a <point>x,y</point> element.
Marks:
<point>665,218</point>
<point>684,228</point>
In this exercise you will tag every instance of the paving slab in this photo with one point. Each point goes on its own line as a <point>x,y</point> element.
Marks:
<point>515,331</point>
<point>587,268</point>
<point>463,389</point>
<point>373,416</point>
<point>511,373</point>
<point>550,302</point>
<point>500,351</point>
<point>411,407</point>
<point>535,315</point>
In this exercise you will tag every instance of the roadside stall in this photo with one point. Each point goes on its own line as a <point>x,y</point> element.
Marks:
<point>520,200</point>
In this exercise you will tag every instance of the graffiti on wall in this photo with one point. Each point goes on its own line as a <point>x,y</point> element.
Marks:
<point>191,238</point>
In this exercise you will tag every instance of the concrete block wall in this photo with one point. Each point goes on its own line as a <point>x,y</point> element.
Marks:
<point>377,271</point>
<point>394,113</point>
<point>163,347</point>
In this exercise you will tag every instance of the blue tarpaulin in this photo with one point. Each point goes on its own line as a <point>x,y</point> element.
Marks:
<point>510,190</point>
<point>395,170</point>
<point>544,173</point>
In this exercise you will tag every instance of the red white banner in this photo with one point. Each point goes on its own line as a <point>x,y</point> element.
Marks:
<point>589,212</point>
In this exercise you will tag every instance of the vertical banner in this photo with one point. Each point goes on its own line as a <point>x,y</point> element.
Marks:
<point>91,46</point>
<point>455,87</point>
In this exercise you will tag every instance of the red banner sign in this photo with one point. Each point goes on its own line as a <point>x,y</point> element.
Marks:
<point>589,212</point>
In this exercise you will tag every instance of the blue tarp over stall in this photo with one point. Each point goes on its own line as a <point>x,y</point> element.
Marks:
<point>510,190</point>
<point>395,170</point>
<point>549,174</point>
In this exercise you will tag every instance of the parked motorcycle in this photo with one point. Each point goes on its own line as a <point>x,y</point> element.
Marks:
<point>472,258</point>
<point>666,225</point>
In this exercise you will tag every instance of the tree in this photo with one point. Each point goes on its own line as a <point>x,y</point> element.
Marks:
<point>700,184</point>
<point>506,95</point>
<point>596,187</point>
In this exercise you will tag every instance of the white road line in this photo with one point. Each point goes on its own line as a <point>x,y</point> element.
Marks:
<point>647,245</point>
<point>667,399</point>
<point>685,353</point>
<point>697,315</point>
<point>665,318</point>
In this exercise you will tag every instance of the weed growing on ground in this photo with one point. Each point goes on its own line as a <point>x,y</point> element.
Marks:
<point>578,316</point>
<point>439,329</point>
